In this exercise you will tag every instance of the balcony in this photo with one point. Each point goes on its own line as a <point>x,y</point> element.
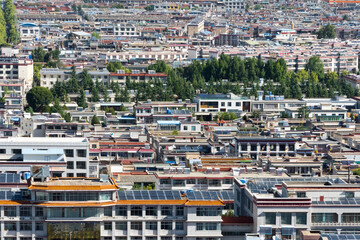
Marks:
<point>335,224</point>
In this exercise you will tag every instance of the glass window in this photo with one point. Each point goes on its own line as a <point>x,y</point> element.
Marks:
<point>136,211</point>
<point>286,218</point>
<point>202,181</point>
<point>91,212</point>
<point>349,194</point>
<point>10,226</point>
<point>121,211</point>
<point>351,217</point>
<point>136,225</point>
<point>25,211</point>
<point>270,218</point>
<point>301,218</point>
<point>166,211</point>
<point>39,226</point>
<point>70,165</point>
<point>190,181</point>
<point>69,152</point>
<point>205,211</point>
<point>121,226</point>
<point>151,211</point>
<point>178,182</point>
<point>179,211</point>
<point>166,225</point>
<point>10,211</point>
<point>25,226</point>
<point>107,225</point>
<point>207,226</point>
<point>151,225</point>
<point>324,218</point>
<point>39,211</point>
<point>179,226</point>
<point>108,211</point>
<point>81,152</point>
<point>81,165</point>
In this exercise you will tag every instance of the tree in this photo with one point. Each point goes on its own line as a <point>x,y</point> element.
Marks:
<point>36,74</point>
<point>3,34</point>
<point>327,31</point>
<point>149,8</point>
<point>97,35</point>
<point>38,54</point>
<point>315,65</point>
<point>256,114</point>
<point>81,100</point>
<point>95,120</point>
<point>10,18</point>
<point>67,117</point>
<point>304,112</point>
<point>38,98</point>
<point>257,7</point>
<point>345,18</point>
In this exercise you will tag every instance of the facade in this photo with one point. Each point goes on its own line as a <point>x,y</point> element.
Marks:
<point>17,71</point>
<point>126,30</point>
<point>29,31</point>
<point>68,157</point>
<point>320,204</point>
<point>96,209</point>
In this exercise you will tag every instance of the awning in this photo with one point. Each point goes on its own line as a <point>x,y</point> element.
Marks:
<point>15,119</point>
<point>171,162</point>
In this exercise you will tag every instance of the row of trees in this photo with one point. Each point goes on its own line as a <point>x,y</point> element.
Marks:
<point>8,30</point>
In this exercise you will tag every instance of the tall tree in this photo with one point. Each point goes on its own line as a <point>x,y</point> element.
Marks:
<point>315,65</point>
<point>38,98</point>
<point>3,35</point>
<point>10,18</point>
<point>81,100</point>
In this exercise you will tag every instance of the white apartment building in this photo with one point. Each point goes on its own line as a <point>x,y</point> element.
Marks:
<point>168,56</point>
<point>284,207</point>
<point>17,70</point>
<point>67,157</point>
<point>29,31</point>
<point>126,30</point>
<point>234,5</point>
<point>49,76</point>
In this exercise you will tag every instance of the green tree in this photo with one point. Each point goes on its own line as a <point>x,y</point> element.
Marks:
<point>304,112</point>
<point>3,34</point>
<point>97,35</point>
<point>315,65</point>
<point>95,120</point>
<point>81,100</point>
<point>38,98</point>
<point>10,18</point>
<point>36,74</point>
<point>257,7</point>
<point>67,117</point>
<point>38,54</point>
<point>149,8</point>
<point>327,31</point>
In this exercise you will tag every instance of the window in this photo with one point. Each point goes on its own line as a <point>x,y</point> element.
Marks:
<point>80,165</point>
<point>207,226</point>
<point>214,183</point>
<point>165,181</point>
<point>70,165</point>
<point>193,128</point>
<point>57,196</point>
<point>121,226</point>
<point>166,211</point>
<point>179,211</point>
<point>190,181</point>
<point>286,218</point>
<point>70,175</point>
<point>349,194</point>
<point>350,218</point>
<point>136,211</point>
<point>166,225</point>
<point>16,151</point>
<point>2,151</point>
<point>178,183</point>
<point>10,211</point>
<point>136,225</point>
<point>25,226</point>
<point>324,218</point>
<point>107,225</point>
<point>179,226</point>
<point>69,152</point>
<point>151,225</point>
<point>301,194</point>
<point>10,226</point>
<point>301,218</point>
<point>229,104</point>
<point>270,218</point>
<point>223,104</point>
<point>202,181</point>
<point>39,212</point>
<point>185,128</point>
<point>108,211</point>
<point>238,104</point>
<point>81,153</point>
<point>227,181</point>
<point>39,226</point>
<point>204,211</point>
<point>81,174</point>
<point>151,211</point>
<point>25,211</point>
<point>120,211</point>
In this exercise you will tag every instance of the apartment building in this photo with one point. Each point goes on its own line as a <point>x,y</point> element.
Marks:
<point>95,208</point>
<point>121,76</point>
<point>323,113</point>
<point>49,76</point>
<point>210,104</point>
<point>195,27</point>
<point>29,31</point>
<point>65,156</point>
<point>168,56</point>
<point>284,207</point>
<point>17,70</point>
<point>151,112</point>
<point>126,30</point>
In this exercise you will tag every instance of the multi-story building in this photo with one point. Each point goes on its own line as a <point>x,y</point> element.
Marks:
<point>66,156</point>
<point>17,70</point>
<point>284,207</point>
<point>126,30</point>
<point>210,104</point>
<point>121,76</point>
<point>95,209</point>
<point>29,31</point>
<point>195,27</point>
<point>234,5</point>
